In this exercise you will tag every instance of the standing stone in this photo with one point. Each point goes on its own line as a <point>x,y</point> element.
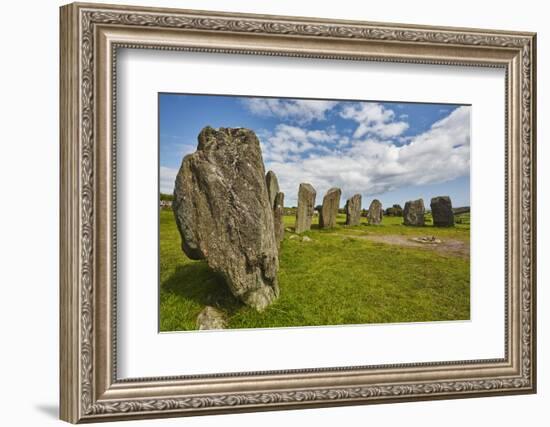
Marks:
<point>329,209</point>
<point>413,213</point>
<point>442,211</point>
<point>306,203</point>
<point>272,184</point>
<point>353,210</point>
<point>223,213</point>
<point>375,212</point>
<point>278,217</point>
<point>278,207</point>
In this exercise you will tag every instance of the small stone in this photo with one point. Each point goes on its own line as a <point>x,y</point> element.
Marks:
<point>413,213</point>
<point>329,209</point>
<point>442,211</point>
<point>375,212</point>
<point>307,239</point>
<point>211,318</point>
<point>353,210</point>
<point>306,203</point>
<point>293,237</point>
<point>288,229</point>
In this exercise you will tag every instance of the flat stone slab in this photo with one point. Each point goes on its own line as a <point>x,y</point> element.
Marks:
<point>426,240</point>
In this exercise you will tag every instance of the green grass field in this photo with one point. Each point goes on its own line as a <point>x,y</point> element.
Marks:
<point>345,275</point>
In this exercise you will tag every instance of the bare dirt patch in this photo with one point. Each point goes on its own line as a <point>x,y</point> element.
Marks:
<point>449,246</point>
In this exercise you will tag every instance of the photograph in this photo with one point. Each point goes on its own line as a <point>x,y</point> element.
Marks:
<point>282,212</point>
<point>268,210</point>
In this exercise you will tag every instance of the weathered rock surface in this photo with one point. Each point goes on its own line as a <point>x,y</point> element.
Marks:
<point>375,212</point>
<point>306,203</point>
<point>353,210</point>
<point>211,318</point>
<point>413,213</point>
<point>329,209</point>
<point>442,211</point>
<point>272,184</point>
<point>278,217</point>
<point>223,213</point>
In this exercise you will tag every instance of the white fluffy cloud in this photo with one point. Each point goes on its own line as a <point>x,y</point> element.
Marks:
<point>167,179</point>
<point>290,143</point>
<point>372,165</point>
<point>365,161</point>
<point>294,110</point>
<point>374,119</point>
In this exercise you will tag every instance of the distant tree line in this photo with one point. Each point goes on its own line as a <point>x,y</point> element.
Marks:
<point>166,197</point>
<point>395,210</point>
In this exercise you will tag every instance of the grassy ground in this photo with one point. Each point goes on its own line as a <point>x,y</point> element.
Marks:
<point>341,277</point>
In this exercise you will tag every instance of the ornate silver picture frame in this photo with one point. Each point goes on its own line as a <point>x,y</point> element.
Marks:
<point>91,34</point>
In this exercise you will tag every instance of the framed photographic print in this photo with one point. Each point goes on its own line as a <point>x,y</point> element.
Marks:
<point>266,212</point>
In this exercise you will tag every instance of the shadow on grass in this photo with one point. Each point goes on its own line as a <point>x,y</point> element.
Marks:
<point>198,283</point>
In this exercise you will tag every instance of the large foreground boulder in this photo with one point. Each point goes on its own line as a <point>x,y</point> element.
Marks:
<point>353,210</point>
<point>329,209</point>
<point>224,215</point>
<point>413,213</point>
<point>306,205</point>
<point>442,211</point>
<point>375,212</point>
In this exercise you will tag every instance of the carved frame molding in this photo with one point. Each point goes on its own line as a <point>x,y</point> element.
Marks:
<point>90,36</point>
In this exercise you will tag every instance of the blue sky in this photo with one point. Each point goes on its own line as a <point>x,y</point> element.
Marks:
<point>390,151</point>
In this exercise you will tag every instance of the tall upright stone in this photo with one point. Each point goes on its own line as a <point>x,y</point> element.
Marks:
<point>224,215</point>
<point>375,212</point>
<point>272,184</point>
<point>413,213</point>
<point>442,211</point>
<point>306,205</point>
<point>329,209</point>
<point>278,217</point>
<point>353,210</point>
